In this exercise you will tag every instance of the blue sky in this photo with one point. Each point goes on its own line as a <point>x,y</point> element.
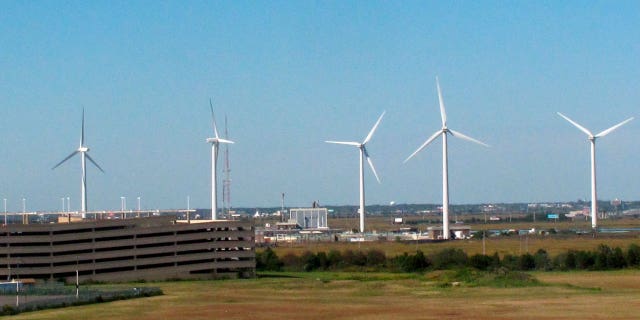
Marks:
<point>291,74</point>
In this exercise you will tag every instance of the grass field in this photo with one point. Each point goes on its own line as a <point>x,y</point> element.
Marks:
<point>515,245</point>
<point>578,295</point>
<point>326,295</point>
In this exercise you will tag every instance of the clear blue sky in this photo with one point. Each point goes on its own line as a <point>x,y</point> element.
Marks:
<point>291,74</point>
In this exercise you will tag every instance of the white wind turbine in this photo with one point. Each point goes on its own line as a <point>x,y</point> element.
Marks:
<point>445,171</point>
<point>215,142</point>
<point>83,151</point>
<point>592,138</point>
<point>363,154</point>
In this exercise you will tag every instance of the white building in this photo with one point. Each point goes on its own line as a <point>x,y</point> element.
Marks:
<point>309,218</point>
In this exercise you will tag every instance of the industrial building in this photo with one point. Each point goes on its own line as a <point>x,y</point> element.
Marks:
<point>309,218</point>
<point>153,248</point>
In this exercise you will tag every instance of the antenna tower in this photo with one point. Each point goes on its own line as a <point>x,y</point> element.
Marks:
<point>226,183</point>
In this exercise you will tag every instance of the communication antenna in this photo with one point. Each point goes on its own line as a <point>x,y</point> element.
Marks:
<point>226,183</point>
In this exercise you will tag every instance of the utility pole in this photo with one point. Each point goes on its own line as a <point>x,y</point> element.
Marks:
<point>188,209</point>
<point>282,213</point>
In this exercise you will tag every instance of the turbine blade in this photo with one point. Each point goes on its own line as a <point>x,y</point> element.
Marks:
<point>65,159</point>
<point>225,141</point>
<point>606,132</point>
<point>462,136</point>
<point>373,169</point>
<point>443,114</point>
<point>583,129</point>
<point>213,120</point>
<point>433,137</point>
<point>355,144</point>
<point>82,132</point>
<point>94,163</point>
<point>373,129</point>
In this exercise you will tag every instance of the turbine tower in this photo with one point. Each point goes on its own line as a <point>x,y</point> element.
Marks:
<point>445,171</point>
<point>215,142</point>
<point>83,150</point>
<point>363,154</point>
<point>592,139</point>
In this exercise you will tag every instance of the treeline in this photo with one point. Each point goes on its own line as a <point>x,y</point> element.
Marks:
<point>603,258</point>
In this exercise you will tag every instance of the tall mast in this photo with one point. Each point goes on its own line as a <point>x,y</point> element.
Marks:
<point>226,183</point>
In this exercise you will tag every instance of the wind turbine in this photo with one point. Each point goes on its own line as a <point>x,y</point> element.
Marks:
<point>83,150</point>
<point>363,154</point>
<point>215,142</point>
<point>592,139</point>
<point>445,171</point>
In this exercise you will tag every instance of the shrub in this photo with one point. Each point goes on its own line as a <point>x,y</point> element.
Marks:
<point>334,259</point>
<point>268,261</point>
<point>480,261</point>
<point>292,262</point>
<point>617,259</point>
<point>411,263</point>
<point>376,258</point>
<point>526,262</point>
<point>541,260</point>
<point>633,255</point>
<point>449,258</point>
<point>354,258</point>
<point>310,261</point>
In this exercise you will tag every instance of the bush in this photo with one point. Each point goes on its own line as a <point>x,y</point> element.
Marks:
<point>449,258</point>
<point>541,260</point>
<point>334,259</point>
<point>585,260</point>
<point>480,261</point>
<point>526,262</point>
<point>292,262</point>
<point>411,263</point>
<point>354,258</point>
<point>268,261</point>
<point>376,258</point>
<point>633,255</point>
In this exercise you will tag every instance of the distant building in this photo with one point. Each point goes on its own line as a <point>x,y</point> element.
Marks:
<point>309,218</point>
<point>457,232</point>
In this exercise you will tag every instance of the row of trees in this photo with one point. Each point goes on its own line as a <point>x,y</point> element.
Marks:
<point>603,258</point>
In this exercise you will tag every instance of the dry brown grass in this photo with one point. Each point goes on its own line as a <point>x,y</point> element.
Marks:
<point>515,245</point>
<point>610,295</point>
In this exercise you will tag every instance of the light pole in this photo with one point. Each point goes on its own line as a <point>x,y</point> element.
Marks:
<point>138,207</point>
<point>68,204</point>
<point>5,211</point>
<point>123,205</point>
